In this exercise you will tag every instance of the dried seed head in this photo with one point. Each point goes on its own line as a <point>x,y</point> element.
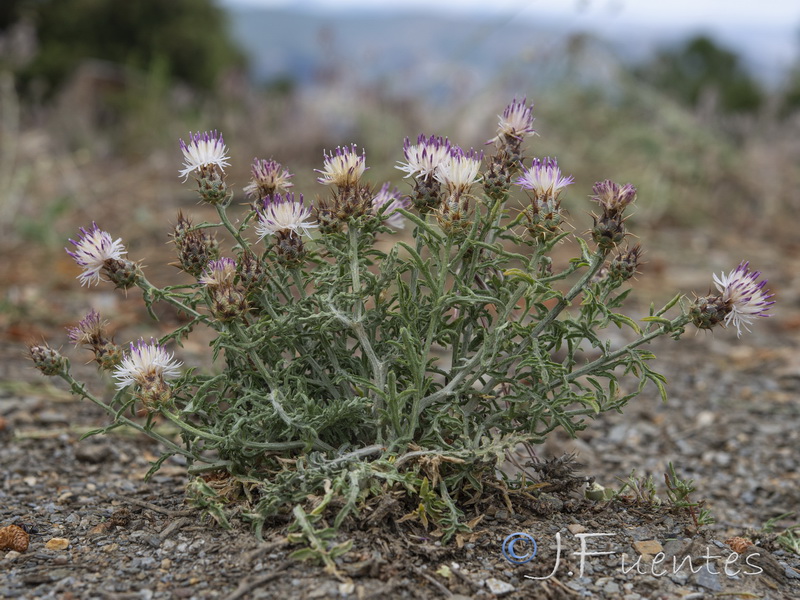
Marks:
<point>738,544</point>
<point>13,537</point>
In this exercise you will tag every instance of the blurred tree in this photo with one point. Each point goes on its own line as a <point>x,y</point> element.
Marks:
<point>189,36</point>
<point>701,67</point>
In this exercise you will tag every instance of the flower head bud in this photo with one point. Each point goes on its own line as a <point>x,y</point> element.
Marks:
<point>608,231</point>
<point>455,217</point>
<point>122,273</point>
<point>147,366</point>
<point>195,247</point>
<point>227,303</point>
<point>544,220</point>
<point>269,178</point>
<point>212,187</point>
<point>283,213</point>
<point>251,272</point>
<point>94,252</point>
<point>625,264</point>
<point>609,227</point>
<point>289,248</point>
<point>205,149</point>
<point>219,273</point>
<point>47,360</point>
<point>387,202</point>
<point>343,167</point>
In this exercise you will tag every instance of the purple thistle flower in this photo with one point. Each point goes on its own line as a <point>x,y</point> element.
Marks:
<point>516,122</point>
<point>746,297</point>
<point>282,213</point>
<point>425,156</point>
<point>92,251</point>
<point>145,363</point>
<point>612,197</point>
<point>544,178</point>
<point>386,203</point>
<point>268,177</point>
<point>459,170</point>
<point>88,329</point>
<point>343,167</point>
<point>207,148</point>
<point>219,272</point>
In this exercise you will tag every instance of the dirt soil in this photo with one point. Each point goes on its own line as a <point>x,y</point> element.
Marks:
<point>730,425</point>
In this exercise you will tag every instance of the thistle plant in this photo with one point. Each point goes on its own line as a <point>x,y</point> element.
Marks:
<point>345,371</point>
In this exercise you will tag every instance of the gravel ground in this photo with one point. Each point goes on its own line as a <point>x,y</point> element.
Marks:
<point>730,425</point>
<point>97,530</point>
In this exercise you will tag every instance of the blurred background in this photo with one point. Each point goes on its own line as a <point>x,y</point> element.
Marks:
<point>696,103</point>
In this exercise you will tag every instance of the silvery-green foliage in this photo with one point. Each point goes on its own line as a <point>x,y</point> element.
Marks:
<point>346,370</point>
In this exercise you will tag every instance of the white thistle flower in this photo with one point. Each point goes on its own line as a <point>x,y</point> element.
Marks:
<point>425,156</point>
<point>460,170</point>
<point>219,272</point>
<point>342,168</point>
<point>92,250</point>
<point>203,149</point>
<point>516,122</point>
<point>744,296</point>
<point>281,213</point>
<point>543,178</point>
<point>144,364</point>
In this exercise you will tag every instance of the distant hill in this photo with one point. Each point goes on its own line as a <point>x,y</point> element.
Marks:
<point>419,53</point>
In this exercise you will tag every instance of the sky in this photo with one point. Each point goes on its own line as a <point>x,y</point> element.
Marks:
<point>681,13</point>
<point>765,32</point>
